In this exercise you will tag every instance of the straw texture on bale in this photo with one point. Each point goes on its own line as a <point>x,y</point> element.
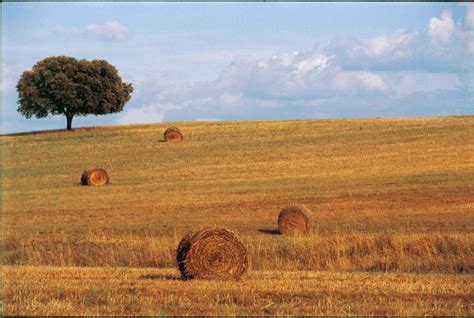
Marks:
<point>173,134</point>
<point>94,177</point>
<point>294,220</point>
<point>211,252</point>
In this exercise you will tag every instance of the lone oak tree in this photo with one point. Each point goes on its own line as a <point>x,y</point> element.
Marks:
<point>62,85</point>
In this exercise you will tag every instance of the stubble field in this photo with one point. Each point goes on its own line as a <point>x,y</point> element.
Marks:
<point>392,202</point>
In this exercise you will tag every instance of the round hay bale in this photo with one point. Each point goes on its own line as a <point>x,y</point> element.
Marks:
<point>173,134</point>
<point>294,220</point>
<point>211,252</point>
<point>94,177</point>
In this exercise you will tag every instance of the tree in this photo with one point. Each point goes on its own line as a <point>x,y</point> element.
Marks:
<point>62,85</point>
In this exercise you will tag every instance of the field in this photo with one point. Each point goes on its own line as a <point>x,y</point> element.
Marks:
<point>392,202</point>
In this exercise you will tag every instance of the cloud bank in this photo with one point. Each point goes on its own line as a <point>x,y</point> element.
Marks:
<point>403,73</point>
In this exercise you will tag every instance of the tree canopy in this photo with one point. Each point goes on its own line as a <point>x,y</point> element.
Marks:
<point>63,85</point>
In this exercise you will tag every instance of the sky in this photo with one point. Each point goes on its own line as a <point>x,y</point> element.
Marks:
<point>251,61</point>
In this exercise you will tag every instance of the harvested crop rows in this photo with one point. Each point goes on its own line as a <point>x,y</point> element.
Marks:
<point>387,197</point>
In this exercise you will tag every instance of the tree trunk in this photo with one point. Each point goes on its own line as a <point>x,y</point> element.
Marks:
<point>69,121</point>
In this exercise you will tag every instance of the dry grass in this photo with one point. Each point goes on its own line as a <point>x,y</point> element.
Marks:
<point>392,196</point>
<point>126,291</point>
<point>434,252</point>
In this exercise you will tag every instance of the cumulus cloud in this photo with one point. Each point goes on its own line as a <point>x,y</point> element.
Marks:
<point>109,31</point>
<point>447,46</point>
<point>441,30</point>
<point>383,52</point>
<point>469,18</point>
<point>466,29</point>
<point>350,81</point>
<point>402,73</point>
<point>299,73</point>
<point>393,46</point>
<point>112,31</point>
<point>143,115</point>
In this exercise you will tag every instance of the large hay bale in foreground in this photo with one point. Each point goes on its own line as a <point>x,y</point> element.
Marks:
<point>211,252</point>
<point>294,220</point>
<point>94,177</point>
<point>173,134</point>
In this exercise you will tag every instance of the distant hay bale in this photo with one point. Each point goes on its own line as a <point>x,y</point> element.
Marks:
<point>173,134</point>
<point>211,252</point>
<point>294,220</point>
<point>94,177</point>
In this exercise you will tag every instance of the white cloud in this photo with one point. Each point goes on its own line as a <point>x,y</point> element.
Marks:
<point>409,82</point>
<point>229,99</point>
<point>386,49</point>
<point>371,76</point>
<point>470,44</point>
<point>307,73</point>
<point>466,30</point>
<point>469,19</point>
<point>143,115</point>
<point>354,81</point>
<point>396,45</point>
<point>284,59</point>
<point>66,30</point>
<point>441,30</point>
<point>445,47</point>
<point>316,62</point>
<point>10,76</point>
<point>267,103</point>
<point>109,31</point>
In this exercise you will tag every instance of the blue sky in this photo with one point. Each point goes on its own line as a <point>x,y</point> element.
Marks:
<point>223,61</point>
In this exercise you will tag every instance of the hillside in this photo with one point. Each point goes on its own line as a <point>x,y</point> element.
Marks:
<point>387,195</point>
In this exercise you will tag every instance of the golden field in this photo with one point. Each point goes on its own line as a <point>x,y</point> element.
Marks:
<point>392,202</point>
<point>131,291</point>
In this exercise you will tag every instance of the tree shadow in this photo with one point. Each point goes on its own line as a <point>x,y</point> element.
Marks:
<point>160,277</point>
<point>270,231</point>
